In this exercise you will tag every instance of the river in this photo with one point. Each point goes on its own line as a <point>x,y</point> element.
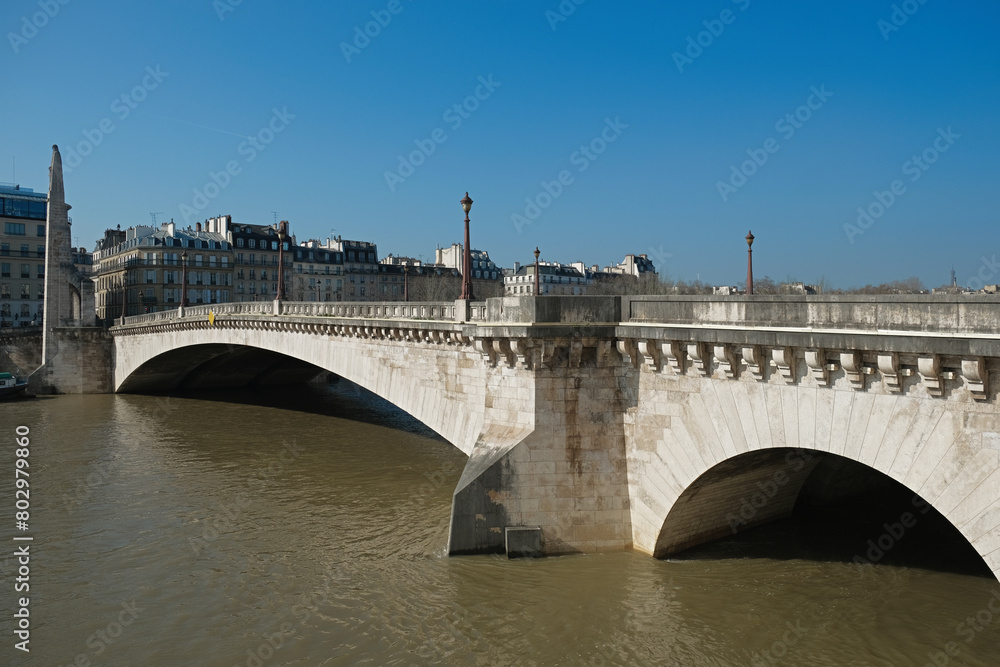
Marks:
<point>308,527</point>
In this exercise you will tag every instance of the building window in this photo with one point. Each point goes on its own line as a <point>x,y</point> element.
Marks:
<point>41,291</point>
<point>41,230</point>
<point>5,269</point>
<point>25,270</point>
<point>150,276</point>
<point>239,243</point>
<point>4,248</point>
<point>253,243</point>
<point>25,291</point>
<point>40,269</point>
<point>24,250</point>
<point>14,228</point>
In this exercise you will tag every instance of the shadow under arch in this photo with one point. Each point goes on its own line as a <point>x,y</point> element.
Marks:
<point>216,365</point>
<point>784,503</point>
<point>249,373</point>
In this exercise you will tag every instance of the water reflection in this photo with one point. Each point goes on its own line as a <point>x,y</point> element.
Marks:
<point>283,531</point>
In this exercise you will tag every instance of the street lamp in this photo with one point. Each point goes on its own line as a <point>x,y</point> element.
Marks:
<point>749,238</point>
<point>467,255</point>
<point>123,295</point>
<point>537,292</point>
<point>282,235</point>
<point>184,280</point>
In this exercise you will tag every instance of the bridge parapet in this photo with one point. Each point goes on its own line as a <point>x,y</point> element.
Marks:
<point>933,344</point>
<point>440,311</point>
<point>953,315</point>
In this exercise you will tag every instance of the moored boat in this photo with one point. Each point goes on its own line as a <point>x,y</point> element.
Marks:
<point>11,385</point>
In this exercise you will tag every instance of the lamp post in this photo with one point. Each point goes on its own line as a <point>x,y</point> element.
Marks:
<point>467,255</point>
<point>537,292</point>
<point>184,280</point>
<point>123,295</point>
<point>282,235</point>
<point>749,238</point>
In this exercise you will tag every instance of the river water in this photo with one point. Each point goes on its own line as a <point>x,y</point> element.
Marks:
<point>308,527</point>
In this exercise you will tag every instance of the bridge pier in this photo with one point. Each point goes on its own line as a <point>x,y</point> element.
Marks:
<point>551,453</point>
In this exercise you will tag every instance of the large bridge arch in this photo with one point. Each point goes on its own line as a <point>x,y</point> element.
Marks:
<point>405,377</point>
<point>732,454</point>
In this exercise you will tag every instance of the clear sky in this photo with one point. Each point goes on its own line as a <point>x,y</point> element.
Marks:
<point>665,128</point>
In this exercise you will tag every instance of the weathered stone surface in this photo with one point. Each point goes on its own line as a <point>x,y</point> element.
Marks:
<point>654,436</point>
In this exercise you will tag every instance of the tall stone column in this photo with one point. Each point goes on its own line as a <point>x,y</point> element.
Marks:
<point>76,356</point>
<point>58,256</point>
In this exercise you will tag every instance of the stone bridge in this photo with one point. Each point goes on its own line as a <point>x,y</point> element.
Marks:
<point>651,423</point>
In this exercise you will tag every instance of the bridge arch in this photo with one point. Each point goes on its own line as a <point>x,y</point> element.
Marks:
<point>737,454</point>
<point>206,356</point>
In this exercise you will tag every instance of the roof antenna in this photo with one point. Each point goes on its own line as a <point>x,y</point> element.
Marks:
<point>153,216</point>
<point>275,214</point>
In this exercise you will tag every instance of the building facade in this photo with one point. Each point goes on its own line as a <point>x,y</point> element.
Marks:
<point>317,272</point>
<point>483,267</point>
<point>256,252</point>
<point>22,256</point>
<point>140,270</point>
<point>553,278</point>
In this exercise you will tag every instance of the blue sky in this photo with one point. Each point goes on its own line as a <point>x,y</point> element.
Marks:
<point>667,124</point>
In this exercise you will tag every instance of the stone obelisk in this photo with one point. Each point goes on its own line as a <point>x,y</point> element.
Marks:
<point>58,260</point>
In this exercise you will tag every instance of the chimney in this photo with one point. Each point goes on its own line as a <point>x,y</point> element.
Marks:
<point>197,226</point>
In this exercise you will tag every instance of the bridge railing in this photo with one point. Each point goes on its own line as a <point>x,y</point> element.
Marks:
<point>438,311</point>
<point>948,313</point>
<point>408,310</point>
